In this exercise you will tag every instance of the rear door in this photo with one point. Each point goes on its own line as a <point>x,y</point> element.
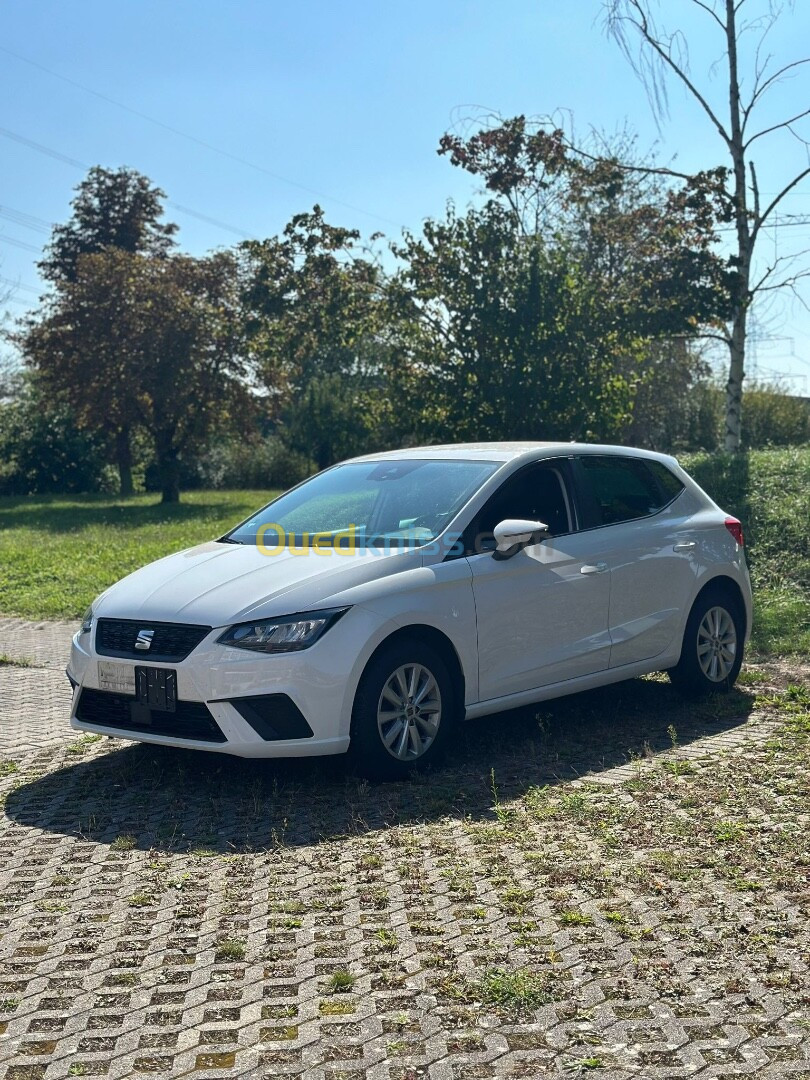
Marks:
<point>641,526</point>
<point>542,614</point>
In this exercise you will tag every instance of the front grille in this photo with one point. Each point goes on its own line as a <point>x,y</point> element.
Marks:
<point>192,719</point>
<point>171,641</point>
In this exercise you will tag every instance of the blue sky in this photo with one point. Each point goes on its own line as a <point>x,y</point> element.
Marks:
<point>340,103</point>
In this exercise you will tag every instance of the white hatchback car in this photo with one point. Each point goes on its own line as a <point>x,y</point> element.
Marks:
<point>378,603</point>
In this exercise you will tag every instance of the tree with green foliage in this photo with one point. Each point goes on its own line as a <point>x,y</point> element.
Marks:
<point>774,417</point>
<point>156,340</point>
<point>114,209</point>
<point>316,322</point>
<point>41,447</point>
<point>507,338</point>
<point>674,406</point>
<point>652,247</point>
<point>535,314</point>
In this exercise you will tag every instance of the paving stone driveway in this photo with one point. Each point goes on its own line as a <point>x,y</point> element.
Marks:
<point>34,701</point>
<point>515,915</point>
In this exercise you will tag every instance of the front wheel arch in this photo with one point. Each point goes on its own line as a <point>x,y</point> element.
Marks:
<point>402,647</point>
<point>427,635</point>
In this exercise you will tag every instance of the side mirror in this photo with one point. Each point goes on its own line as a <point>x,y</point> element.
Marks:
<point>512,534</point>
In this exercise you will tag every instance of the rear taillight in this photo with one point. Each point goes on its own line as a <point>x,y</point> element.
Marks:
<point>736,530</point>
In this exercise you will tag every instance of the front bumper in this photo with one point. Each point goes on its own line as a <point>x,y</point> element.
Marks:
<point>253,700</point>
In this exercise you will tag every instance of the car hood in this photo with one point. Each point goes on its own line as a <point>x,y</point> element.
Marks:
<point>217,584</point>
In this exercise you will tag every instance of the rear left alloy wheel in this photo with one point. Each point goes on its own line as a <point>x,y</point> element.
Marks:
<point>712,651</point>
<point>404,711</point>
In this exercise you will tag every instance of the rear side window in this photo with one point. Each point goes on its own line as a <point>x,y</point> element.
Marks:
<point>623,489</point>
<point>670,484</point>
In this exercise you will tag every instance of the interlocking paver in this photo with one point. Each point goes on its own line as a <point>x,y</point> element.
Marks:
<point>46,643</point>
<point>171,914</point>
<point>34,709</point>
<point>34,699</point>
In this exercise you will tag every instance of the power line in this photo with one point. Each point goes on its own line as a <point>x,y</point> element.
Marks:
<point>799,219</point>
<point>199,142</point>
<point>42,149</point>
<point>57,155</point>
<point>20,244</point>
<point>28,221</point>
<point>212,221</point>
<point>17,285</point>
<point>76,164</point>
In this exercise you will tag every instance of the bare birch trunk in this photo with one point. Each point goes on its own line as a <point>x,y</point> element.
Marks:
<point>736,372</point>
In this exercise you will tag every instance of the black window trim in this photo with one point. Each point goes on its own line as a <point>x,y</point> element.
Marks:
<point>562,464</point>
<point>581,485</point>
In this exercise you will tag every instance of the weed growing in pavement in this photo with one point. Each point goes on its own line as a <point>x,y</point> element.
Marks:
<point>15,661</point>
<point>138,900</point>
<point>387,938</point>
<point>80,746</point>
<point>504,815</point>
<point>123,843</point>
<point>341,982</point>
<point>336,1008</point>
<point>518,992</point>
<point>230,949</point>
<point>575,918</point>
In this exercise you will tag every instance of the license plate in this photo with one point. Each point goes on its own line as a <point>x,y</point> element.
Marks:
<point>156,688</point>
<point>116,678</point>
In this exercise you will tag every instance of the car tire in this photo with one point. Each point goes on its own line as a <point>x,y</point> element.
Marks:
<point>405,711</point>
<point>713,643</point>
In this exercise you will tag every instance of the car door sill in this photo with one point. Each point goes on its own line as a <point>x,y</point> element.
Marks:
<point>571,686</point>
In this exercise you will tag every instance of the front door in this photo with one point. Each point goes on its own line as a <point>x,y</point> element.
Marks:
<point>542,615</point>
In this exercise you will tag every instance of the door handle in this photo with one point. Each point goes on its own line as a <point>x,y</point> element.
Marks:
<point>598,568</point>
<point>685,545</point>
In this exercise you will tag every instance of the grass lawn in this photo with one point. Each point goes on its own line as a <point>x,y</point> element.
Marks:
<point>769,491</point>
<point>58,553</point>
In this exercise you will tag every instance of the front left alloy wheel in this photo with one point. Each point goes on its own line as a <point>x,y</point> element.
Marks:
<point>404,710</point>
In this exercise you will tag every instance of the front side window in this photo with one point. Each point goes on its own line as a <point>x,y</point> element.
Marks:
<point>536,493</point>
<point>394,503</point>
<point>623,489</point>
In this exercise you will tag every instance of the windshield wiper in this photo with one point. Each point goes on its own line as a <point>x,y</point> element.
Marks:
<point>228,540</point>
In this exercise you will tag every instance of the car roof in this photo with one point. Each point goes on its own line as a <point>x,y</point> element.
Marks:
<point>507,451</point>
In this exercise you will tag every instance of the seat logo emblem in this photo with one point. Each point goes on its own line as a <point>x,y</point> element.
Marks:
<point>144,639</point>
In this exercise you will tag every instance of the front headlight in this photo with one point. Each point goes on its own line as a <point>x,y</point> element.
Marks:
<point>286,634</point>
<point>87,618</point>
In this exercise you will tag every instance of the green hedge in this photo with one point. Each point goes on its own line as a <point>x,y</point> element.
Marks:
<point>769,491</point>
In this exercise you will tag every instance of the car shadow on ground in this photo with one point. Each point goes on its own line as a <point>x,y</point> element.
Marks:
<point>169,800</point>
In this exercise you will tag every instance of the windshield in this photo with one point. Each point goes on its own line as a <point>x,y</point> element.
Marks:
<point>395,503</point>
